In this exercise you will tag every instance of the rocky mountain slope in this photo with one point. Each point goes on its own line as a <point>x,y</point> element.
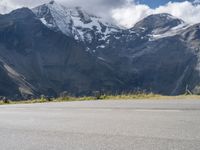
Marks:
<point>52,49</point>
<point>76,23</point>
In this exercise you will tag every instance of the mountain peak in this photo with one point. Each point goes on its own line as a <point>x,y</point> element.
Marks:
<point>163,16</point>
<point>21,13</point>
<point>161,21</point>
<point>54,16</point>
<point>74,22</point>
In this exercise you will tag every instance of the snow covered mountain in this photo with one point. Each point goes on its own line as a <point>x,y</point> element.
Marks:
<point>74,22</point>
<point>97,34</point>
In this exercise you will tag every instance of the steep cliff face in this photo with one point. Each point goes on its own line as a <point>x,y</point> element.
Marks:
<point>8,87</point>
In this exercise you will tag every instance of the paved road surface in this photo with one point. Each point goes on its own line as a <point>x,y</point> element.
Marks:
<point>101,125</point>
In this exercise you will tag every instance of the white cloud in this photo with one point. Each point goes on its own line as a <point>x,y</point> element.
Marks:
<point>97,7</point>
<point>6,6</point>
<point>131,13</point>
<point>124,12</point>
<point>185,10</point>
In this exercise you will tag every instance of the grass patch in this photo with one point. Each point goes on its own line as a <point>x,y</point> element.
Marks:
<point>131,96</point>
<point>139,96</point>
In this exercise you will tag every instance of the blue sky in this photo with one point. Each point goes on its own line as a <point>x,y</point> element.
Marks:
<point>157,3</point>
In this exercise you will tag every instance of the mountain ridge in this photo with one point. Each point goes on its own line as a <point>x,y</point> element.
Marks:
<point>52,49</point>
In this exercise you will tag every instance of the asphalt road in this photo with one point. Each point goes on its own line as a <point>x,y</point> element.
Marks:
<point>101,125</point>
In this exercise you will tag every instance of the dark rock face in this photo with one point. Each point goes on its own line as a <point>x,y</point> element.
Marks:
<point>41,61</point>
<point>7,87</point>
<point>167,65</point>
<point>36,60</point>
<point>163,66</point>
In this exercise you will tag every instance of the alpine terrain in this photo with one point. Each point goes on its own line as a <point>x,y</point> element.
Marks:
<point>51,49</point>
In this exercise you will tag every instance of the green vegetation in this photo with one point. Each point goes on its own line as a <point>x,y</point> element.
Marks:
<point>139,96</point>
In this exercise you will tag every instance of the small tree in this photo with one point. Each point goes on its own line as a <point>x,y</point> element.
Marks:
<point>5,100</point>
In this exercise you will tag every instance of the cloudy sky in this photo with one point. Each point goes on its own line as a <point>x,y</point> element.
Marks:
<point>123,12</point>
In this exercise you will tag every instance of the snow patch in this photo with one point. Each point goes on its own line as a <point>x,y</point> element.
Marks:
<point>11,71</point>
<point>101,46</point>
<point>101,58</point>
<point>172,32</point>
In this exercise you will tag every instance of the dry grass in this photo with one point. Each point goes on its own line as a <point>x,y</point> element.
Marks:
<point>140,96</point>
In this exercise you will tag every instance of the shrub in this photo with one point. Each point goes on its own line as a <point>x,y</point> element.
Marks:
<point>5,100</point>
<point>97,94</point>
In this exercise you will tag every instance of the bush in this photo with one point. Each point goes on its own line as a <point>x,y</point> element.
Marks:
<point>97,94</point>
<point>49,99</point>
<point>5,100</point>
<point>42,97</point>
